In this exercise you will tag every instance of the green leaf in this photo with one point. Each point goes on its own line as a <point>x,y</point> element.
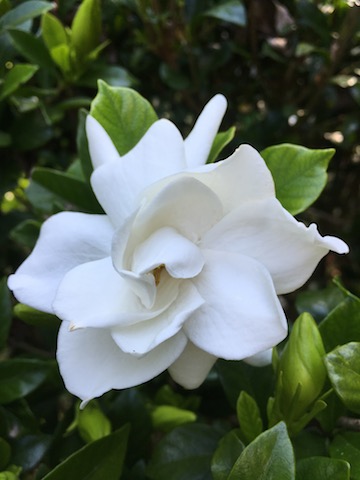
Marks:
<point>249,417</point>
<point>32,48</point>
<point>184,453</point>
<point>232,11</point>
<point>31,316</point>
<point>26,233</point>
<point>113,75</point>
<point>322,468</point>
<point>319,303</point>
<point>269,457</point>
<point>229,449</point>
<point>86,27</point>
<point>342,325</point>
<point>124,114</point>
<point>68,187</point>
<point>83,146</point>
<point>23,12</point>
<point>99,460</point>
<point>220,142</point>
<point>53,32</point>
<point>5,452</point>
<point>299,174</point>
<point>5,312</point>
<point>20,376</point>
<point>343,365</point>
<point>92,422</point>
<point>167,417</point>
<point>19,74</point>
<point>346,446</point>
<point>28,450</point>
<point>309,443</point>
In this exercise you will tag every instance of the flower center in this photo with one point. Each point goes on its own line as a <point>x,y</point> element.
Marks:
<point>157,273</point>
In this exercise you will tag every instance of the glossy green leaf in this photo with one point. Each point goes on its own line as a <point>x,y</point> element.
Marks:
<point>322,468</point>
<point>346,447</point>
<point>99,460</point>
<point>5,312</point>
<point>309,443</point>
<point>167,417</point>
<point>113,75</point>
<point>21,376</point>
<point>23,12</point>
<point>229,449</point>
<point>28,450</point>
<point>319,303</point>
<point>86,27</point>
<point>30,131</point>
<point>232,11</point>
<point>299,174</point>
<point>269,457</point>
<point>32,48</point>
<point>343,365</point>
<point>342,325</point>
<point>19,74</point>
<point>249,417</point>
<point>125,115</point>
<point>184,453</point>
<point>68,187</point>
<point>220,142</point>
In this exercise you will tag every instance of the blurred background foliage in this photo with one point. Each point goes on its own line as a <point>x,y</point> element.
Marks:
<point>290,70</point>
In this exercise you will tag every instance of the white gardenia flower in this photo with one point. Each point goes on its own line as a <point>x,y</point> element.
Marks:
<point>185,266</point>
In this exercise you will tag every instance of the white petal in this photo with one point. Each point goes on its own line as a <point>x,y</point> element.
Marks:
<point>265,231</point>
<point>192,367</point>
<point>181,258</point>
<point>260,359</point>
<point>95,295</point>
<point>199,141</point>
<point>66,240</point>
<point>184,204</point>
<point>241,315</point>
<point>91,363</point>
<point>158,154</point>
<point>142,337</point>
<point>101,148</point>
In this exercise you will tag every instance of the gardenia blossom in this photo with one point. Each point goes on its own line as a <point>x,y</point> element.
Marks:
<point>184,267</point>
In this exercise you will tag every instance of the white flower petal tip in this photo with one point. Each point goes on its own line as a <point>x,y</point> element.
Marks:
<point>199,141</point>
<point>336,245</point>
<point>101,148</point>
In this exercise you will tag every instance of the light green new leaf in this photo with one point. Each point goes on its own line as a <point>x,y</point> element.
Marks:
<point>342,325</point>
<point>220,142</point>
<point>53,31</point>
<point>322,468</point>
<point>167,417</point>
<point>343,365</point>
<point>86,27</point>
<point>99,460</point>
<point>232,11</point>
<point>299,174</point>
<point>184,453</point>
<point>269,457</point>
<point>346,446</point>
<point>68,187</point>
<point>124,114</point>
<point>19,74</point>
<point>23,12</point>
<point>31,316</point>
<point>249,417</point>
<point>229,449</point>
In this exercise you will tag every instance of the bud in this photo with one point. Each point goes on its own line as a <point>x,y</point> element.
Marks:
<point>92,423</point>
<point>301,369</point>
